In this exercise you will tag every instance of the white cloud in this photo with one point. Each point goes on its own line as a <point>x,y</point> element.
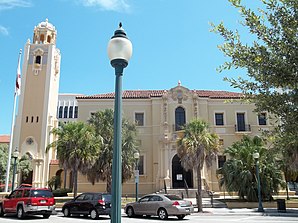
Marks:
<point>9,4</point>
<point>3,31</point>
<point>110,5</point>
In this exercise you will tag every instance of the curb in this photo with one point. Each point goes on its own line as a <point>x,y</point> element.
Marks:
<point>247,212</point>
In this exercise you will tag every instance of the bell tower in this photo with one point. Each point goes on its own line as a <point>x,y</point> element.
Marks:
<point>37,106</point>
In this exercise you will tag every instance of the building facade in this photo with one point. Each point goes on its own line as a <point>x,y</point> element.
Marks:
<point>159,116</point>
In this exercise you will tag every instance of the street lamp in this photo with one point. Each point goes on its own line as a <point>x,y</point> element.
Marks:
<point>15,156</point>
<point>119,52</point>
<point>256,156</point>
<point>137,156</point>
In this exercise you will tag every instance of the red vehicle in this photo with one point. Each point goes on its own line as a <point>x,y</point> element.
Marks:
<point>28,201</point>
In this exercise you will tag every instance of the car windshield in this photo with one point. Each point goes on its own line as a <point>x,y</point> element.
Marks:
<point>41,193</point>
<point>173,197</point>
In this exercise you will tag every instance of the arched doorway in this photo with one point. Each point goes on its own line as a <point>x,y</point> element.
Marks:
<point>180,177</point>
<point>58,180</point>
<point>26,177</point>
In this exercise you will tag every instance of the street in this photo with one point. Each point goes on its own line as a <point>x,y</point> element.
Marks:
<point>202,218</point>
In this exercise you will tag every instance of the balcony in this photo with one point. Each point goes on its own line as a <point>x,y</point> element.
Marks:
<point>242,128</point>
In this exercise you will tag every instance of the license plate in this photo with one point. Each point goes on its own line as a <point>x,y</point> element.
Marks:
<point>43,201</point>
<point>187,209</point>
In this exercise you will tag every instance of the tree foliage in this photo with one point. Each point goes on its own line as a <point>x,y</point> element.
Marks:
<point>195,147</point>
<point>3,162</point>
<point>238,173</point>
<point>24,165</point>
<point>271,61</point>
<point>77,147</point>
<point>103,123</point>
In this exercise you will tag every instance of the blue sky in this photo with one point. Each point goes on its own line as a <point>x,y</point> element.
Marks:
<point>171,41</point>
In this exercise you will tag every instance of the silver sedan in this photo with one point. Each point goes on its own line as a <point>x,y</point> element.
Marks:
<point>161,205</point>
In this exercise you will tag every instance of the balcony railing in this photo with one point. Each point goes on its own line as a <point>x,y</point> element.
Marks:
<point>242,128</point>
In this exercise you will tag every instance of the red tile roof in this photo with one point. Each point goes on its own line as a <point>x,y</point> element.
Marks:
<point>54,162</point>
<point>218,94</point>
<point>140,94</point>
<point>5,139</point>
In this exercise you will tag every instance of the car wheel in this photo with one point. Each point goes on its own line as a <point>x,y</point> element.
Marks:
<point>1,210</point>
<point>93,214</point>
<point>20,212</point>
<point>180,217</point>
<point>46,215</point>
<point>162,214</point>
<point>66,212</point>
<point>130,212</point>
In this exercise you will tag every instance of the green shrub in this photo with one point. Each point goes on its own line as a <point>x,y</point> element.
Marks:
<point>61,192</point>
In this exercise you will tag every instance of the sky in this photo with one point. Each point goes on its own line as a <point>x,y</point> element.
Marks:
<point>171,42</point>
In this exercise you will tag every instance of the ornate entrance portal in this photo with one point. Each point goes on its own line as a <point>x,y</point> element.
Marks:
<point>180,177</point>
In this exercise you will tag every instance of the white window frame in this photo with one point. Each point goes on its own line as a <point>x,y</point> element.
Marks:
<point>144,164</point>
<point>224,117</point>
<point>144,118</point>
<point>245,118</point>
<point>266,115</point>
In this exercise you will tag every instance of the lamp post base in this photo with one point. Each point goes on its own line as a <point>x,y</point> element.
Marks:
<point>260,209</point>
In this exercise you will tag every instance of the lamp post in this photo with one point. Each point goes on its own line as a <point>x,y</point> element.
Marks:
<point>137,156</point>
<point>15,156</point>
<point>256,156</point>
<point>119,52</point>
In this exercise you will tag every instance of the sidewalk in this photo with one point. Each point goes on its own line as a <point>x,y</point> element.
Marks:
<point>220,208</point>
<point>293,212</point>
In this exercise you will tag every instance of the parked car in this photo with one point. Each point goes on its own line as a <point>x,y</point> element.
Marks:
<point>28,201</point>
<point>93,204</point>
<point>161,205</point>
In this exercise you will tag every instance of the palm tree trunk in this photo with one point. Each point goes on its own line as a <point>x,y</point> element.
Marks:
<point>109,184</point>
<point>65,178</point>
<point>75,183</point>
<point>199,197</point>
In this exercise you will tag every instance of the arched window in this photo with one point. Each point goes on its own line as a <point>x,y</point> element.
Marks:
<point>42,38</point>
<point>49,39</point>
<point>179,118</point>
<point>38,59</point>
<point>60,111</point>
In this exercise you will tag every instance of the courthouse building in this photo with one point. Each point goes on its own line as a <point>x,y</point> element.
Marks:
<point>158,114</point>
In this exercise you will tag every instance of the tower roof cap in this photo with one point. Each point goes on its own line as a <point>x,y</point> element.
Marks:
<point>46,24</point>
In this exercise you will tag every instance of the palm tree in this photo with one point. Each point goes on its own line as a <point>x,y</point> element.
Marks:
<point>194,148</point>
<point>77,148</point>
<point>238,174</point>
<point>102,121</point>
